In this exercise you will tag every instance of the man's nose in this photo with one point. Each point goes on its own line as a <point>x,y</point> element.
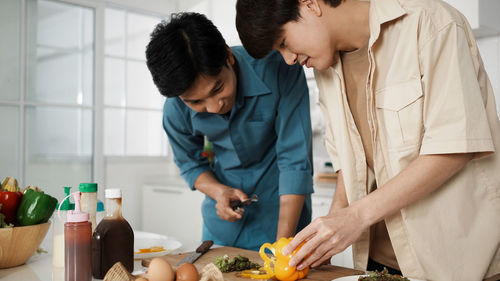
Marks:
<point>289,57</point>
<point>214,106</point>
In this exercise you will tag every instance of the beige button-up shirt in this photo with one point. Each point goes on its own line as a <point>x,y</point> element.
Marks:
<point>427,93</point>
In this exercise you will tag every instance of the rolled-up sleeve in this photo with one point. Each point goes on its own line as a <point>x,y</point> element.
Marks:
<point>455,117</point>
<point>293,128</point>
<point>186,146</point>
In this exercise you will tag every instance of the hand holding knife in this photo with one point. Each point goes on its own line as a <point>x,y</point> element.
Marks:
<point>237,205</point>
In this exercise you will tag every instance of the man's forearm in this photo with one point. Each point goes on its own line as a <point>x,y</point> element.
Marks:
<point>424,175</point>
<point>208,184</point>
<point>289,214</point>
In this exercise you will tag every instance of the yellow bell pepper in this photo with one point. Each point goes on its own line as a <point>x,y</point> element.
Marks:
<point>281,270</point>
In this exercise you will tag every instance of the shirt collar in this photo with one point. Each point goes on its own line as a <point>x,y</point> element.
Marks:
<point>382,11</point>
<point>249,83</point>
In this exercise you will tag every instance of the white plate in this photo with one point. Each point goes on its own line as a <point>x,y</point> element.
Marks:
<point>144,240</point>
<point>355,278</point>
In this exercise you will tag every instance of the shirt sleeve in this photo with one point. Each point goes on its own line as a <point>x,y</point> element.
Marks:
<point>186,146</point>
<point>455,119</point>
<point>293,128</point>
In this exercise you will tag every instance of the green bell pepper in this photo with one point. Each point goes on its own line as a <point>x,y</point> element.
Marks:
<point>36,207</point>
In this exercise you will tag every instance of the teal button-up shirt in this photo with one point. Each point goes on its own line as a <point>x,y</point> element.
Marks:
<point>263,146</point>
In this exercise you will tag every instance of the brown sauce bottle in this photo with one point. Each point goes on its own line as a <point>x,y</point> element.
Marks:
<point>113,238</point>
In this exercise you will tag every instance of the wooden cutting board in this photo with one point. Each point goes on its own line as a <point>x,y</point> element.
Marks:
<point>323,273</point>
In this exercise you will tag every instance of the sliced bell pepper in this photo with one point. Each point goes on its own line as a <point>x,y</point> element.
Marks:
<point>257,274</point>
<point>36,207</point>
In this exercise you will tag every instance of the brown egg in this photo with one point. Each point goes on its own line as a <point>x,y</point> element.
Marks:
<point>187,272</point>
<point>141,279</point>
<point>160,270</point>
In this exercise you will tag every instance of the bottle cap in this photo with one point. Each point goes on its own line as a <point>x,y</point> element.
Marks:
<point>66,205</point>
<point>113,193</point>
<point>77,215</point>
<point>100,206</point>
<point>88,187</point>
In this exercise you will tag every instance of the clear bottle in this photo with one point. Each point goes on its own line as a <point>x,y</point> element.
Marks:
<point>113,238</point>
<point>77,244</point>
<point>89,201</point>
<point>59,219</point>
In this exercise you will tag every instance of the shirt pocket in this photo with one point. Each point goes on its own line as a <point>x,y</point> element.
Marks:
<point>400,112</point>
<point>260,117</point>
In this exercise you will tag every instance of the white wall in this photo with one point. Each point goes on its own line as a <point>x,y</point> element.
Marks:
<point>130,174</point>
<point>489,49</point>
<point>221,12</point>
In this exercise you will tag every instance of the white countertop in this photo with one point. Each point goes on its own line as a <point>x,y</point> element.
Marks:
<point>39,268</point>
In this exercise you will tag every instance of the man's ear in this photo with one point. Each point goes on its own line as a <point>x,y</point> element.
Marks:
<point>312,6</point>
<point>230,57</point>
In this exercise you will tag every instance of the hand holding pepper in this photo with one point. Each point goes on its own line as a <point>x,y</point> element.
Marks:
<point>281,270</point>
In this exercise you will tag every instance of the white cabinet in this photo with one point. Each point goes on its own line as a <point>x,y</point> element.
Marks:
<point>173,210</point>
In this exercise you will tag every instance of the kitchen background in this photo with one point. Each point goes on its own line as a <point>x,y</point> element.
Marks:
<point>77,103</point>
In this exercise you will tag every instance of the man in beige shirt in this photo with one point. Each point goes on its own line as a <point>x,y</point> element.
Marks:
<point>411,126</point>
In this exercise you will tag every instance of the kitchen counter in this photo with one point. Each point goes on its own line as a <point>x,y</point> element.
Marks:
<point>39,268</point>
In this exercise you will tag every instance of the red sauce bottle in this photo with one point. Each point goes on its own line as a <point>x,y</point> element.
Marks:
<point>113,238</point>
<point>77,244</point>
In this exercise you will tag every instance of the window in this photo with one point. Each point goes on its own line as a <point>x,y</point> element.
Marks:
<point>132,104</point>
<point>68,98</point>
<point>10,75</point>
<point>46,106</point>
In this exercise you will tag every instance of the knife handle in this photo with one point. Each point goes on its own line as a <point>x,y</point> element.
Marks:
<point>205,246</point>
<point>234,204</point>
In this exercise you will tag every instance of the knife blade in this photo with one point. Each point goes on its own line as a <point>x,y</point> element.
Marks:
<point>203,248</point>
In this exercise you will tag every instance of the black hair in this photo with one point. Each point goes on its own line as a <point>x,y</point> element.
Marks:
<point>259,22</point>
<point>182,49</point>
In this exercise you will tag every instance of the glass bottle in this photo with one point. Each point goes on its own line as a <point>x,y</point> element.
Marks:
<point>113,238</point>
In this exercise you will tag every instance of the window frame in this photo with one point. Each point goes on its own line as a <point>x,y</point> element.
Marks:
<point>98,106</point>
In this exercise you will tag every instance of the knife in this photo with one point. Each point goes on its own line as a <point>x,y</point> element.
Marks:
<point>203,248</point>
<point>236,205</point>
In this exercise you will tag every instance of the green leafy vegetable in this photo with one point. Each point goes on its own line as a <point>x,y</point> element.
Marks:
<point>238,263</point>
<point>382,276</point>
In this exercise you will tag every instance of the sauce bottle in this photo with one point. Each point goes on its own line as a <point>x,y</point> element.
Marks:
<point>89,201</point>
<point>113,238</point>
<point>77,244</point>
<point>58,229</point>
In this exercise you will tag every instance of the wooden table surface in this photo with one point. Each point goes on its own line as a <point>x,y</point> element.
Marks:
<point>323,273</point>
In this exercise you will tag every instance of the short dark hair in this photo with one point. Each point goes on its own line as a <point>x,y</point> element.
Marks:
<point>259,22</point>
<point>182,49</point>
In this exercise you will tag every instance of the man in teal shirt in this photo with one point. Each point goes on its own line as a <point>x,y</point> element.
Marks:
<point>255,113</point>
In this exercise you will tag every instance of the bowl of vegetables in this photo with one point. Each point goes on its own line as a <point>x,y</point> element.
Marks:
<point>24,221</point>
